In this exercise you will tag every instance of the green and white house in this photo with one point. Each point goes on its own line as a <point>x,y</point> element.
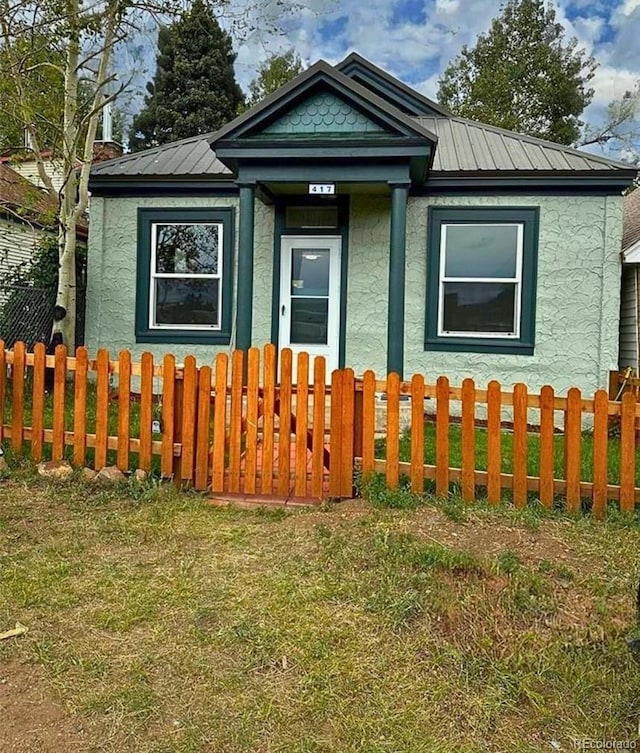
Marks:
<point>349,216</point>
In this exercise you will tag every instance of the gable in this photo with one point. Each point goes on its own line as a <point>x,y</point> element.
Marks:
<point>323,114</point>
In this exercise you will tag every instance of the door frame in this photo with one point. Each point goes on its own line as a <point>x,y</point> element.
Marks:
<point>280,229</point>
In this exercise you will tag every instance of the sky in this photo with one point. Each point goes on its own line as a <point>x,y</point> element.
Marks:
<point>415,39</point>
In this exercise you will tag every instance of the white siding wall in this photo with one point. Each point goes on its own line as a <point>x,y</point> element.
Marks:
<point>29,170</point>
<point>629,317</point>
<point>17,243</point>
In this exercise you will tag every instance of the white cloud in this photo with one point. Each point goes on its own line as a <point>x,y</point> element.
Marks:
<point>629,6</point>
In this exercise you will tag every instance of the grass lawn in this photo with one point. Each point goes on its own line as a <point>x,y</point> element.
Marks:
<point>158,623</point>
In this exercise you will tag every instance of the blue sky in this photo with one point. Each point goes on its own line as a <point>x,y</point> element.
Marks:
<point>415,39</point>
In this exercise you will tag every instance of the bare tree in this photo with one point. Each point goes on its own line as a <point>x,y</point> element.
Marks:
<point>621,128</point>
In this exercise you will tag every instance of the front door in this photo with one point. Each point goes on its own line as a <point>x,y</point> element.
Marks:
<point>310,296</point>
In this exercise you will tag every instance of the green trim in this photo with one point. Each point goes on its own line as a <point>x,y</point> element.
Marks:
<point>610,183</point>
<point>530,217</point>
<point>397,264</point>
<point>143,333</point>
<point>325,173</point>
<point>281,229</point>
<point>244,313</point>
<point>161,186</point>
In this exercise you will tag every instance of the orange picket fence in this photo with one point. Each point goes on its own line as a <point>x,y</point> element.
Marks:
<point>251,425</point>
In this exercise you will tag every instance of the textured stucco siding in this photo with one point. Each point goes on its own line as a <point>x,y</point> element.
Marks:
<point>111,274</point>
<point>577,293</point>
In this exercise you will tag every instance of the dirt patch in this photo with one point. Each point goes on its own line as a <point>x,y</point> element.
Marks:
<point>32,722</point>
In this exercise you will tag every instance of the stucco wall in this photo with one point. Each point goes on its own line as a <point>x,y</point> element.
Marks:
<point>577,293</point>
<point>111,274</point>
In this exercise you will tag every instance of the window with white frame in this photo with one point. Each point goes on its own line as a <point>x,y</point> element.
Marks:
<point>480,280</point>
<point>186,274</point>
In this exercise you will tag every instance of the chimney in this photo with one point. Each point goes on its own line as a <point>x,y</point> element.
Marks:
<point>106,148</point>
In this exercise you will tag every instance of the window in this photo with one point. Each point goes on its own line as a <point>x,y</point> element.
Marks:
<point>481,279</point>
<point>184,275</point>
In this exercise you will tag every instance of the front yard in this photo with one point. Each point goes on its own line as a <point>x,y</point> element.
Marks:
<point>158,623</point>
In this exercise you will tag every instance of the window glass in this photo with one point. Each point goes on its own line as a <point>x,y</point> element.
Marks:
<point>310,272</point>
<point>187,249</point>
<point>312,218</point>
<point>187,302</point>
<point>479,307</point>
<point>481,250</point>
<point>309,321</point>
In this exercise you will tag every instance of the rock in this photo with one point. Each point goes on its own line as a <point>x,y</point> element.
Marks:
<point>88,474</point>
<point>139,476</point>
<point>59,470</point>
<point>110,475</point>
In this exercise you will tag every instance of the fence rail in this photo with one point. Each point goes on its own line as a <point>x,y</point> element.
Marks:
<point>244,425</point>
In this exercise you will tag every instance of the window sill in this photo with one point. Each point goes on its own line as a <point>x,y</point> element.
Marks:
<point>187,337</point>
<point>478,345</point>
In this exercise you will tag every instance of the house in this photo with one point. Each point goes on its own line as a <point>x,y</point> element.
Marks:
<point>630,289</point>
<point>348,215</point>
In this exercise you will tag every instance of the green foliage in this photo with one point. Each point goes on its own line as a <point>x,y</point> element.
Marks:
<point>275,72</point>
<point>194,89</point>
<point>522,75</point>
<point>35,65</point>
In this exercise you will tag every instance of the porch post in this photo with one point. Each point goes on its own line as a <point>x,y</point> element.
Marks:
<point>397,255</point>
<point>244,302</point>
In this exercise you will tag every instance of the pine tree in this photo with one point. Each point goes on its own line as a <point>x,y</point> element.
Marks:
<point>522,75</point>
<point>273,73</point>
<point>194,89</point>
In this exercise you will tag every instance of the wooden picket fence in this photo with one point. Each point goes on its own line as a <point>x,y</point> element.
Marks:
<point>244,426</point>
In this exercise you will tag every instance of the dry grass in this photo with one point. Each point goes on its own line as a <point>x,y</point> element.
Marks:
<point>165,625</point>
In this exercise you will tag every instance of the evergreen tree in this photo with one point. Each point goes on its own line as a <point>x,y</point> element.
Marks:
<point>194,89</point>
<point>273,73</point>
<point>522,76</point>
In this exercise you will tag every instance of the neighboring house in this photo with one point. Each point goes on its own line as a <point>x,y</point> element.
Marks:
<point>349,216</point>
<point>630,289</point>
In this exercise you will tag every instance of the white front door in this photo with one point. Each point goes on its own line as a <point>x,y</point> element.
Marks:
<point>310,296</point>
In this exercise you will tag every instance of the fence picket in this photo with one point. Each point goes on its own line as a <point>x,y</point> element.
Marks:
<point>201,477</point>
<point>284,424</point>
<point>251,455</point>
<point>59,389</point>
<point>235,430</point>
<point>146,410</point>
<point>37,409</point>
<point>442,436</point>
<point>302,424</point>
<point>573,434</point>
<point>468,440</point>
<point>168,417</point>
<point>124,410</point>
<point>368,422</point>
<point>494,442</point>
<point>628,453</point>
<point>102,408</point>
<point>317,448</point>
<point>268,419</point>
<point>547,454</point>
<point>189,416</point>
<point>80,408</point>
<point>520,453</point>
<point>17,396</point>
<point>219,423</point>
<point>393,430</point>
<point>600,452</point>
<point>335,477</point>
<point>417,434</point>
<point>347,433</point>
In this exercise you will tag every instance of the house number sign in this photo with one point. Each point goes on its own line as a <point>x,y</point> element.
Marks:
<point>326,189</point>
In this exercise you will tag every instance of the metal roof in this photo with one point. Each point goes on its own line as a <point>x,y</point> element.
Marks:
<point>467,146</point>
<point>631,220</point>
<point>187,158</point>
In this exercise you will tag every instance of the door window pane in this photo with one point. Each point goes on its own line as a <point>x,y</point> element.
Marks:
<point>187,301</point>
<point>310,272</point>
<point>481,251</point>
<point>309,321</point>
<point>479,307</point>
